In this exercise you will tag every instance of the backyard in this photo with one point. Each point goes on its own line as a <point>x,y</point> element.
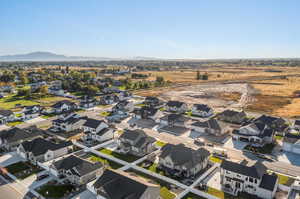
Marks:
<point>22,170</point>
<point>124,157</point>
<point>55,191</point>
<point>109,163</point>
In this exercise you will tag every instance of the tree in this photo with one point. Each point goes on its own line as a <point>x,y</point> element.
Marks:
<point>91,90</point>
<point>23,78</point>
<point>198,77</point>
<point>159,80</point>
<point>43,90</point>
<point>24,92</point>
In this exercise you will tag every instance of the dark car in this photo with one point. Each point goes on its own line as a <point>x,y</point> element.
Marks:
<point>41,177</point>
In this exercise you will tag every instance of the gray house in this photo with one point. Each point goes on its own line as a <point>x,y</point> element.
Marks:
<point>176,106</point>
<point>76,170</point>
<point>136,142</point>
<point>232,116</point>
<point>211,126</point>
<point>180,160</point>
<point>6,116</point>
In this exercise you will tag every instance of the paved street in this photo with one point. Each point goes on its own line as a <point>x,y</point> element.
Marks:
<point>8,191</point>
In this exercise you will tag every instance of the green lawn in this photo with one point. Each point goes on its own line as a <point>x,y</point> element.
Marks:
<point>166,194</point>
<point>15,123</point>
<point>10,101</point>
<point>140,105</point>
<point>125,157</point>
<point>162,109</point>
<point>192,196</point>
<point>55,191</point>
<point>160,143</point>
<point>22,170</point>
<point>278,137</point>
<point>222,195</point>
<point>215,159</point>
<point>110,164</point>
<point>104,114</point>
<point>285,180</point>
<point>267,149</point>
<point>153,168</point>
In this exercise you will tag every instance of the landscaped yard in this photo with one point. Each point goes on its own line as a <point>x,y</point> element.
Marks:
<point>278,137</point>
<point>55,191</point>
<point>285,180</point>
<point>215,159</point>
<point>267,149</point>
<point>22,169</point>
<point>222,195</point>
<point>160,143</point>
<point>125,157</point>
<point>15,123</point>
<point>109,163</point>
<point>153,167</point>
<point>104,114</point>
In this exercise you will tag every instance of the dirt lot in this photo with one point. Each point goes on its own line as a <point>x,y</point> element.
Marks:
<point>253,89</point>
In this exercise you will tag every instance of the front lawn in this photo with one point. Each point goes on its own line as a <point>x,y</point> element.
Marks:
<point>109,163</point>
<point>267,149</point>
<point>278,137</point>
<point>55,191</point>
<point>222,195</point>
<point>125,157</point>
<point>285,180</point>
<point>160,143</point>
<point>22,170</point>
<point>215,159</point>
<point>10,102</point>
<point>104,114</point>
<point>15,123</point>
<point>153,167</point>
<point>166,194</point>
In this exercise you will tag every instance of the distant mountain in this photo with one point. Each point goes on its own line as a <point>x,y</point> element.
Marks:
<point>48,56</point>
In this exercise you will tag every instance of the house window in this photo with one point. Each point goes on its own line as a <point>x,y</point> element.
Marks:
<point>255,180</point>
<point>250,180</point>
<point>238,175</point>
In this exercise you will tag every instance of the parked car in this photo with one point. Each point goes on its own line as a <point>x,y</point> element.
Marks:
<point>41,177</point>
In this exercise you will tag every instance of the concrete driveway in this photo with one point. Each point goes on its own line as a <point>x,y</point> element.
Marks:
<point>85,195</point>
<point>235,144</point>
<point>3,127</point>
<point>9,158</point>
<point>290,158</point>
<point>35,120</point>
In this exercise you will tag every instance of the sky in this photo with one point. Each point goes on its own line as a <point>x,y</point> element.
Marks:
<point>202,29</point>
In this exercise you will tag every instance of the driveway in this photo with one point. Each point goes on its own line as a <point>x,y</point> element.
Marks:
<point>214,180</point>
<point>235,144</point>
<point>3,127</point>
<point>290,158</point>
<point>85,195</point>
<point>9,158</point>
<point>35,120</point>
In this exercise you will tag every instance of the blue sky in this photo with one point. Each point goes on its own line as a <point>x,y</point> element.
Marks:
<point>164,28</point>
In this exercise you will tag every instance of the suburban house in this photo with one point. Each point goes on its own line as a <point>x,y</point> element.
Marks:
<point>109,99</point>
<point>136,142</point>
<point>202,110</point>
<point>180,160</point>
<point>124,95</point>
<point>294,192</point>
<point>291,143</point>
<point>147,112</point>
<point>78,171</point>
<point>123,106</point>
<point>232,116</point>
<point>173,120</point>
<point>68,122</point>
<point>276,123</point>
<point>251,178</point>
<point>97,130</point>
<point>6,116</point>
<point>30,112</point>
<point>151,101</point>
<point>110,90</point>
<point>255,133</point>
<point>87,101</point>
<point>211,126</point>
<point>56,91</point>
<point>35,86</point>
<point>11,138</point>
<point>64,106</point>
<point>296,125</point>
<point>176,106</point>
<point>113,184</point>
<point>42,150</point>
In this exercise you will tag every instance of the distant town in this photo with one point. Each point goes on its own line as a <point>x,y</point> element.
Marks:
<point>150,129</point>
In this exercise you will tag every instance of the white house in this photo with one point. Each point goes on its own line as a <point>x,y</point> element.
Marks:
<point>68,122</point>
<point>291,143</point>
<point>176,106</point>
<point>251,178</point>
<point>63,106</point>
<point>202,110</point>
<point>97,130</point>
<point>30,112</point>
<point>256,133</point>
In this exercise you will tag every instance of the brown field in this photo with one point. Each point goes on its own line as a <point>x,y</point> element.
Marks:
<point>275,89</point>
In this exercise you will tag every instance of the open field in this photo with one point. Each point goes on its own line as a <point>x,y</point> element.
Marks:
<point>255,89</point>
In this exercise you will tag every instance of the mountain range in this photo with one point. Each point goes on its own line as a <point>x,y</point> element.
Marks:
<point>48,56</point>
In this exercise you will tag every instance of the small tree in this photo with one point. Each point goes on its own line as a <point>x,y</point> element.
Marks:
<point>198,77</point>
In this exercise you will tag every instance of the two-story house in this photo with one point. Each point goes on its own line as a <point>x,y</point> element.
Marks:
<point>151,101</point>
<point>11,138</point>
<point>6,116</point>
<point>147,112</point>
<point>202,110</point>
<point>124,95</point>
<point>173,120</point>
<point>114,184</point>
<point>211,126</point>
<point>176,107</point>
<point>136,142</point>
<point>255,133</point>
<point>78,171</point>
<point>30,112</point>
<point>87,101</point>
<point>42,150</point>
<point>109,99</point>
<point>249,177</point>
<point>63,106</point>
<point>68,122</point>
<point>231,116</point>
<point>97,130</point>
<point>123,107</point>
<point>183,161</point>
